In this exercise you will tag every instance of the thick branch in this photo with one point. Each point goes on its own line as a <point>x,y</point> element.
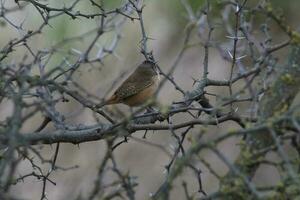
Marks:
<point>103,131</point>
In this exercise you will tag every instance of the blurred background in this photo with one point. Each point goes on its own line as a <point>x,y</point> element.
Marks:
<point>165,23</point>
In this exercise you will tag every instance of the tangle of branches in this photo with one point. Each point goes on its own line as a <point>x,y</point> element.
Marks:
<point>258,98</point>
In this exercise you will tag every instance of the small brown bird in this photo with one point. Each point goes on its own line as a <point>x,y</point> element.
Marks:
<point>138,87</point>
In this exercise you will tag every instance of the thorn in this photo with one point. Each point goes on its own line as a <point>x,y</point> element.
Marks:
<point>145,135</point>
<point>76,51</point>
<point>99,53</point>
<point>241,57</point>
<point>237,9</point>
<point>235,110</point>
<point>230,54</point>
<point>235,38</point>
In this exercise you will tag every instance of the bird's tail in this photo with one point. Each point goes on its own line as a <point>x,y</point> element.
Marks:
<point>112,100</point>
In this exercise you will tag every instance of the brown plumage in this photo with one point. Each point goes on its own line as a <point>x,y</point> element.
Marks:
<point>138,87</point>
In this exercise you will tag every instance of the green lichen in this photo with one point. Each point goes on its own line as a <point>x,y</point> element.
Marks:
<point>247,159</point>
<point>269,7</point>
<point>235,188</point>
<point>280,109</point>
<point>165,111</point>
<point>287,78</point>
<point>295,37</point>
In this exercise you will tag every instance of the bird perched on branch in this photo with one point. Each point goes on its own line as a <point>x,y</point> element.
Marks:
<point>138,87</point>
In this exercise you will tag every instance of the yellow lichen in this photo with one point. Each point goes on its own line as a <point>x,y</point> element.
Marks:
<point>295,37</point>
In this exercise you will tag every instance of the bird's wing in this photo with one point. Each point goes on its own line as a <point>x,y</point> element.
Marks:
<point>131,86</point>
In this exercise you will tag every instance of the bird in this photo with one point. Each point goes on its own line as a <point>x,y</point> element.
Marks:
<point>140,86</point>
